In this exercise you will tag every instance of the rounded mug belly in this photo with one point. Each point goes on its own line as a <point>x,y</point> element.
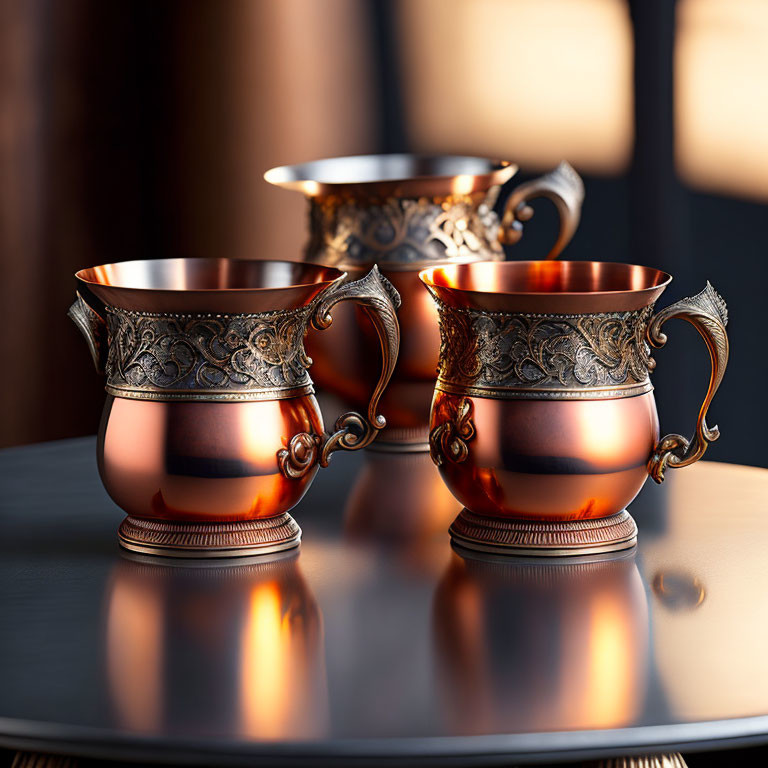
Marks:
<point>550,459</point>
<point>202,461</point>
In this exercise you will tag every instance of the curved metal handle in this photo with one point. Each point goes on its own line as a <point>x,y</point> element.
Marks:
<point>380,301</point>
<point>707,313</point>
<point>352,430</point>
<point>93,328</point>
<point>564,187</point>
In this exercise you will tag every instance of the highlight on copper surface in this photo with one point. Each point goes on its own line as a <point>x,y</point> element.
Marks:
<point>400,174</point>
<point>544,277</point>
<point>568,287</point>
<point>207,274</point>
<point>227,286</point>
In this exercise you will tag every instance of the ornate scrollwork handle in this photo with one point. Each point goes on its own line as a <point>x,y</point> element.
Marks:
<point>564,187</point>
<point>352,431</point>
<point>707,313</point>
<point>93,328</point>
<point>380,301</point>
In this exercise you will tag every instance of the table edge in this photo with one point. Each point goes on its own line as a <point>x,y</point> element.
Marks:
<point>491,749</point>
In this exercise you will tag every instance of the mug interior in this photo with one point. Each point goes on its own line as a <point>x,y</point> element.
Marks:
<point>204,285</point>
<point>546,286</point>
<point>400,173</point>
<point>207,274</point>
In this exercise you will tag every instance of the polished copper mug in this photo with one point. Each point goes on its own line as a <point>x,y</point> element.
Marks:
<point>405,212</point>
<point>543,421</point>
<point>211,431</point>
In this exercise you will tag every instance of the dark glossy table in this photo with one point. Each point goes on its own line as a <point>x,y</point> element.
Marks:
<point>376,642</point>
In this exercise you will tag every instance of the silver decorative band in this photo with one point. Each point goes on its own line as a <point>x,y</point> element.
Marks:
<point>512,393</point>
<point>545,357</point>
<point>207,357</point>
<point>402,231</point>
<point>211,395</point>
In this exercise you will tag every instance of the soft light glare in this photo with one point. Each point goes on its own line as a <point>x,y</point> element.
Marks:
<point>610,684</point>
<point>721,108</point>
<point>462,185</point>
<point>528,81</point>
<point>602,429</point>
<point>265,423</point>
<point>135,659</point>
<point>311,188</point>
<point>265,678</point>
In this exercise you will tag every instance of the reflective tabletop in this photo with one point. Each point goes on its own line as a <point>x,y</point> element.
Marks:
<point>375,640</point>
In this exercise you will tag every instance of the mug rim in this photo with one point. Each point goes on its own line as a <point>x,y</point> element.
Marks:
<point>313,180</point>
<point>553,301</point>
<point>197,300</point>
<point>428,281</point>
<point>79,275</point>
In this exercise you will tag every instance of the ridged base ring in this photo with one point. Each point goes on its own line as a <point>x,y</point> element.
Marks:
<point>402,440</point>
<point>199,540</point>
<point>544,539</point>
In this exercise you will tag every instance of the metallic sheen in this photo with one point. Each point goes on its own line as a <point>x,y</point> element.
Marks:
<point>172,539</point>
<point>406,212</point>
<point>564,187</point>
<point>708,314</point>
<point>546,416</point>
<point>207,357</point>
<point>547,539</point>
<point>497,354</point>
<point>210,425</point>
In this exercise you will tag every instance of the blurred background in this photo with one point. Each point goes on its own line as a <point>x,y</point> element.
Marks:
<point>141,130</point>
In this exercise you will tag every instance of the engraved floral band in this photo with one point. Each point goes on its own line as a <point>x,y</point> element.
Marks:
<point>506,355</point>
<point>404,231</point>
<point>207,356</point>
<point>400,231</point>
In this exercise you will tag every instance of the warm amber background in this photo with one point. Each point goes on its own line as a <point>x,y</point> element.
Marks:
<point>141,129</point>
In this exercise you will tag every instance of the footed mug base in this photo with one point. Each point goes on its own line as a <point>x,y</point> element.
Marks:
<point>402,440</point>
<point>509,536</point>
<point>244,538</point>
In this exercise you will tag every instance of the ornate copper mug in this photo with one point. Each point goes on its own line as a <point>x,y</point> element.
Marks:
<point>543,422</point>
<point>211,431</point>
<point>405,212</point>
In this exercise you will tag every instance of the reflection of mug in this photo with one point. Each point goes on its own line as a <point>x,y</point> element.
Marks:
<point>405,212</point>
<point>218,650</point>
<point>211,431</point>
<point>553,645</point>
<point>544,423</point>
<point>398,497</point>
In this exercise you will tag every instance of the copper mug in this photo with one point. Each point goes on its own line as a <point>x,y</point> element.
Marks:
<point>543,422</point>
<point>405,212</point>
<point>211,431</point>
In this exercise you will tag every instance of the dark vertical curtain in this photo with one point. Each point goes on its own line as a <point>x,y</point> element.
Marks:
<point>133,130</point>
